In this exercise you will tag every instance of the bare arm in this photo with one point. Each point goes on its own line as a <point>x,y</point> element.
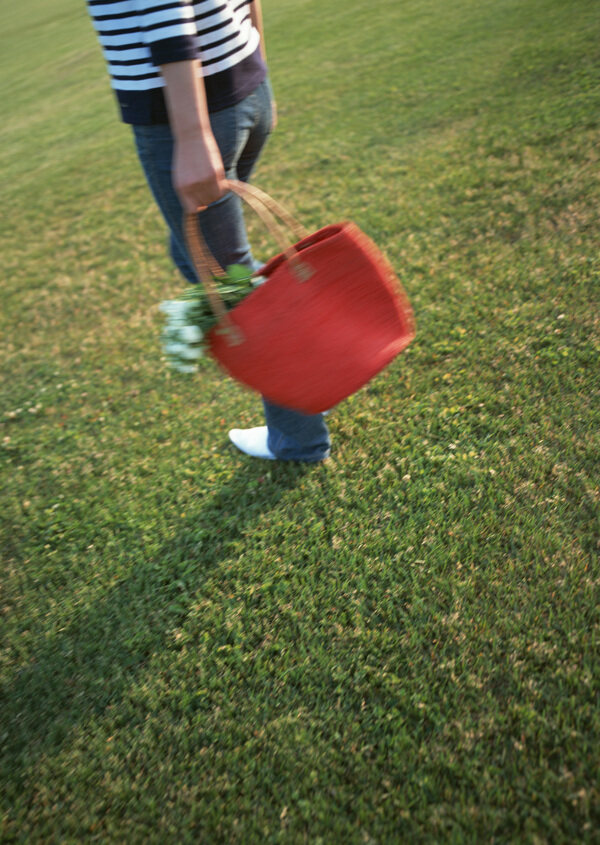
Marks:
<point>198,173</point>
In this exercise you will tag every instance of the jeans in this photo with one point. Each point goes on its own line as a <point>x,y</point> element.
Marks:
<point>240,132</point>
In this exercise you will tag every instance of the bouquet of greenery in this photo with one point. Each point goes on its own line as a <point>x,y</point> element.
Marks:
<point>189,317</point>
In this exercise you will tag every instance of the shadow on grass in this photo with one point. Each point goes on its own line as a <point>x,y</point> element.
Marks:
<point>79,671</point>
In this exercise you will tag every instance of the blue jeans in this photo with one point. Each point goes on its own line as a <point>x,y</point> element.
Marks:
<point>240,132</point>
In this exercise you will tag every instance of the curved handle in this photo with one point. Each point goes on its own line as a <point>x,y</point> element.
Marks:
<point>251,192</point>
<point>206,265</point>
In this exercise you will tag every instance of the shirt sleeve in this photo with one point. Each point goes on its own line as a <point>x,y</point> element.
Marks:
<point>168,28</point>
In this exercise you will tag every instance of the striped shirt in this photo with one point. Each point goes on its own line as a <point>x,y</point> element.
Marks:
<point>137,36</point>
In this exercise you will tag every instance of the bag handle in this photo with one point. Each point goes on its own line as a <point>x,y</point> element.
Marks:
<point>251,194</point>
<point>207,267</point>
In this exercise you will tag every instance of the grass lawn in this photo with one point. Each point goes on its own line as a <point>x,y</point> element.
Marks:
<point>400,644</point>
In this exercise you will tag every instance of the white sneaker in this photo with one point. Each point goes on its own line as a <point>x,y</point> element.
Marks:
<point>252,441</point>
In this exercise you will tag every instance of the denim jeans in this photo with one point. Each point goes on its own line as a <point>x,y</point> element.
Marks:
<point>240,132</point>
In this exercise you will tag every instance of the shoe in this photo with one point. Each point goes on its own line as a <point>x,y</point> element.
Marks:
<point>252,441</point>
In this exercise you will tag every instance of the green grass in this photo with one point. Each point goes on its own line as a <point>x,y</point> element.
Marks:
<point>401,644</point>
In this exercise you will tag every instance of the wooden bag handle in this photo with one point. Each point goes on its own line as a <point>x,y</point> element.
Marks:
<point>255,197</point>
<point>206,265</point>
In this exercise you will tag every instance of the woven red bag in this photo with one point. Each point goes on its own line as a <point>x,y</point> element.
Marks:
<point>329,317</point>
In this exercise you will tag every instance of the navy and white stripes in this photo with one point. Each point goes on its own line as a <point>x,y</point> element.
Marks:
<point>139,35</point>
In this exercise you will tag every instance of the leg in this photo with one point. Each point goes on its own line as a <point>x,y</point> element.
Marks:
<point>294,436</point>
<point>289,435</point>
<point>241,133</point>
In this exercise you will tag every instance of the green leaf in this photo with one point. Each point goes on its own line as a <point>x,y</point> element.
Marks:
<point>238,273</point>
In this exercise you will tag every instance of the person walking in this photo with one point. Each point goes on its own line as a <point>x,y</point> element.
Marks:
<point>191,79</point>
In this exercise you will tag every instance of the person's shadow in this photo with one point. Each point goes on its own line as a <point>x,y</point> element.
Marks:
<point>89,665</point>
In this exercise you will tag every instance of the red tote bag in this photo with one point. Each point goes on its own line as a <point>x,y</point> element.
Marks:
<point>330,315</point>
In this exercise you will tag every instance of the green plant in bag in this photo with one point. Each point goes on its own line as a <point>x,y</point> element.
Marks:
<point>190,317</point>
